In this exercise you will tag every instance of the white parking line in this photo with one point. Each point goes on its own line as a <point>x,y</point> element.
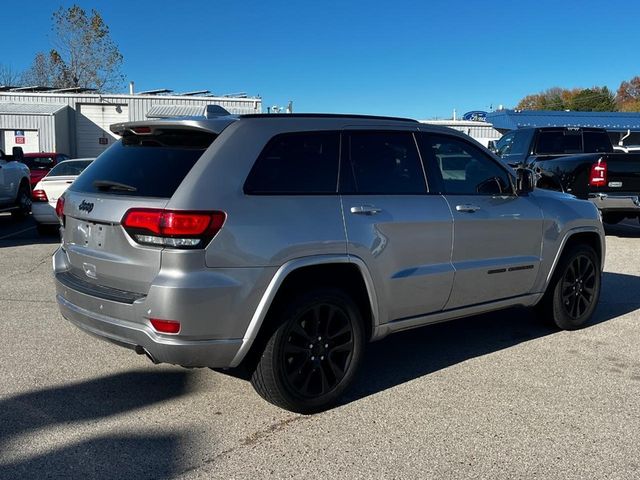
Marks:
<point>17,233</point>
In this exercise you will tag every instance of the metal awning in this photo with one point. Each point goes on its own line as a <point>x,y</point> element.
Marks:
<point>7,108</point>
<point>611,121</point>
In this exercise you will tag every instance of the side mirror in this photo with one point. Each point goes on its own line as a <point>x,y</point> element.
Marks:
<point>525,181</point>
<point>491,145</point>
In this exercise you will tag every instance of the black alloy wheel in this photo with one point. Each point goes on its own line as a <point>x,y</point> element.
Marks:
<point>313,354</point>
<point>578,286</point>
<point>573,292</point>
<point>318,350</point>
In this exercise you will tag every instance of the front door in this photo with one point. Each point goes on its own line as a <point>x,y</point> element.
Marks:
<point>497,234</point>
<point>393,222</point>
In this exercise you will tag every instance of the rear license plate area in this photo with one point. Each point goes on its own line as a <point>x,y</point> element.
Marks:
<point>91,235</point>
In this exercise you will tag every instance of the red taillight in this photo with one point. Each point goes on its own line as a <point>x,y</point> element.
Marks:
<point>141,130</point>
<point>598,176</point>
<point>60,208</point>
<point>165,326</point>
<point>172,228</point>
<point>39,196</point>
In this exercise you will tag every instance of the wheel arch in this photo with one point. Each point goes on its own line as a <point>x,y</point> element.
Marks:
<point>583,235</point>
<point>344,271</point>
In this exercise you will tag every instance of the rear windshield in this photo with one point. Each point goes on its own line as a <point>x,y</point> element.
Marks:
<point>69,168</point>
<point>558,142</point>
<point>38,163</point>
<point>145,165</point>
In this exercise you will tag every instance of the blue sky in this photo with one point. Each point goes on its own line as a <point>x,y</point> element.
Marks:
<point>419,59</point>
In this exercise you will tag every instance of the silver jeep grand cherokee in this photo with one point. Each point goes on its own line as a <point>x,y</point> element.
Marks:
<point>282,244</point>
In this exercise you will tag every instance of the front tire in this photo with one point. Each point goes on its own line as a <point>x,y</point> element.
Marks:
<point>313,355</point>
<point>572,294</point>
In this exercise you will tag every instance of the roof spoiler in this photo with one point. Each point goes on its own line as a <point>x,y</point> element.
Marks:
<point>215,111</point>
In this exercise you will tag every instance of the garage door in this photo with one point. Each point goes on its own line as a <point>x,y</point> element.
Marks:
<point>28,140</point>
<point>92,127</point>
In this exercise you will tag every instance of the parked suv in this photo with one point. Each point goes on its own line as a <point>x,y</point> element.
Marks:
<point>282,244</point>
<point>15,192</point>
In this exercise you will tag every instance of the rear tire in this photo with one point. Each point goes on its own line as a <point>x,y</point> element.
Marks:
<point>23,202</point>
<point>572,295</point>
<point>314,354</point>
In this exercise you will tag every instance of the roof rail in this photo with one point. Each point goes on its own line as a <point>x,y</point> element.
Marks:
<point>325,115</point>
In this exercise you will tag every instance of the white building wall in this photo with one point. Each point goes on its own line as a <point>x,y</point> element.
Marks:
<point>66,127</point>
<point>43,124</point>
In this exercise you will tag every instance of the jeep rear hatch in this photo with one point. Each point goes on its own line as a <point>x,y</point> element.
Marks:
<point>142,171</point>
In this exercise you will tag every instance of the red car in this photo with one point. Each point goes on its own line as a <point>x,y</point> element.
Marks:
<point>40,163</point>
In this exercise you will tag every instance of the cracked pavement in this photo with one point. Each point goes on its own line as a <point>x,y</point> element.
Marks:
<point>497,396</point>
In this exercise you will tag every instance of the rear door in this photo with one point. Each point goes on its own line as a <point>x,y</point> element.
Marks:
<point>497,234</point>
<point>141,171</point>
<point>401,230</point>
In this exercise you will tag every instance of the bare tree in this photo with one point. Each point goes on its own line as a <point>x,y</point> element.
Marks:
<point>8,76</point>
<point>41,72</point>
<point>84,55</point>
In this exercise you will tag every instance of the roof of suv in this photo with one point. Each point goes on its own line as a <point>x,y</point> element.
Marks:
<point>219,123</point>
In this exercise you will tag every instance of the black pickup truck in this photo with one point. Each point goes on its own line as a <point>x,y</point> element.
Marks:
<point>580,161</point>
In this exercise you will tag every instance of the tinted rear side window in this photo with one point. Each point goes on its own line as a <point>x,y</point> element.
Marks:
<point>597,142</point>
<point>152,165</point>
<point>382,163</point>
<point>296,163</point>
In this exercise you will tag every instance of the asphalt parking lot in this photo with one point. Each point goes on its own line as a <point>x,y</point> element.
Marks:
<point>498,396</point>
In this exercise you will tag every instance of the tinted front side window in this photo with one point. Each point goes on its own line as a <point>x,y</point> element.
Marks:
<point>297,163</point>
<point>148,165</point>
<point>382,163</point>
<point>462,168</point>
<point>505,144</point>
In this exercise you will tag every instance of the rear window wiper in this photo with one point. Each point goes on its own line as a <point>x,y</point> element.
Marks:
<point>111,185</point>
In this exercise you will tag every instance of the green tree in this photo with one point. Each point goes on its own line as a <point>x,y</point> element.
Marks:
<point>84,55</point>
<point>551,99</point>
<point>628,95</point>
<point>596,99</point>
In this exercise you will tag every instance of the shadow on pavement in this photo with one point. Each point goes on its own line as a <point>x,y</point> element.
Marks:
<point>113,457</point>
<point>121,456</point>
<point>16,232</point>
<point>627,229</point>
<point>405,356</point>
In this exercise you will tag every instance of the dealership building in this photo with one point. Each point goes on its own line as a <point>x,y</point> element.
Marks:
<point>76,121</point>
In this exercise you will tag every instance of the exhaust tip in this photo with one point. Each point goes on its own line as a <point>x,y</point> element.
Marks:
<point>140,350</point>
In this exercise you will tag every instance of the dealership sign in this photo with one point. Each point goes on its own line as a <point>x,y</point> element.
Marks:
<point>19,137</point>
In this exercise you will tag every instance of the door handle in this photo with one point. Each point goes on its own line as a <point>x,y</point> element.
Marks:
<point>365,210</point>
<point>467,208</point>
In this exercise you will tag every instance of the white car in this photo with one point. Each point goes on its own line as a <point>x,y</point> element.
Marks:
<point>46,193</point>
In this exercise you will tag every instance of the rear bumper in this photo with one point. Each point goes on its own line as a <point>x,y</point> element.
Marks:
<point>616,202</point>
<point>161,349</point>
<point>213,308</point>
